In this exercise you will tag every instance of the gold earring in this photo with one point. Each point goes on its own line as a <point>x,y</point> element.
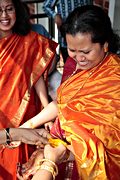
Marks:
<point>106,49</point>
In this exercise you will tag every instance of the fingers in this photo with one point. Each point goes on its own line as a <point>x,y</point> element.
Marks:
<point>19,173</point>
<point>35,136</point>
<point>44,133</point>
<point>55,154</point>
<point>70,148</point>
<point>41,141</point>
<point>48,126</point>
<point>19,176</point>
<point>13,145</point>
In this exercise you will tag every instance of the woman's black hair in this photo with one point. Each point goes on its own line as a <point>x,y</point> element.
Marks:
<point>94,20</point>
<point>22,25</point>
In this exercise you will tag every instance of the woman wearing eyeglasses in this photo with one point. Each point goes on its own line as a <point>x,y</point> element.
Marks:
<point>24,57</point>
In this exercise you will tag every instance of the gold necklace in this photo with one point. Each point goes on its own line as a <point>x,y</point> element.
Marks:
<point>89,75</point>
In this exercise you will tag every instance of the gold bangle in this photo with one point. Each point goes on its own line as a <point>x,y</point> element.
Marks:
<point>48,160</point>
<point>48,168</point>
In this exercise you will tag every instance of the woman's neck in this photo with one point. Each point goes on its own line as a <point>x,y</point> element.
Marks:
<point>4,34</point>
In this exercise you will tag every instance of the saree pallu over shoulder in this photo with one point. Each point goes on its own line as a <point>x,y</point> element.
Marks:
<point>89,112</point>
<point>23,59</point>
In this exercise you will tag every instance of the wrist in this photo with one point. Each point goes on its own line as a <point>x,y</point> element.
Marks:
<point>15,134</point>
<point>28,124</point>
<point>8,136</point>
<point>3,136</point>
<point>46,164</point>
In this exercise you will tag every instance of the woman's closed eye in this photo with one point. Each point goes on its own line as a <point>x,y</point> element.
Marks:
<point>84,52</point>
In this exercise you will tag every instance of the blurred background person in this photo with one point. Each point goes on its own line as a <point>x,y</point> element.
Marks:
<point>58,10</point>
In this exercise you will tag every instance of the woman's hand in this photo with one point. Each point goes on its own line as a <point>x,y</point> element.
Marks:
<point>54,154</point>
<point>14,144</point>
<point>30,167</point>
<point>48,126</point>
<point>57,154</point>
<point>30,136</point>
<point>35,136</point>
<point>58,20</point>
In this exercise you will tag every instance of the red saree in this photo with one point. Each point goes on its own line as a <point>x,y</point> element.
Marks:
<point>23,60</point>
<point>89,113</point>
<point>69,67</point>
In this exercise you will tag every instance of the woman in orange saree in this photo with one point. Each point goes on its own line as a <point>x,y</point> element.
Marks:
<point>89,121</point>
<point>90,118</point>
<point>88,100</point>
<point>24,57</point>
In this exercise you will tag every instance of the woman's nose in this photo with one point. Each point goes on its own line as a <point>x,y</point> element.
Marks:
<point>4,13</point>
<point>80,57</point>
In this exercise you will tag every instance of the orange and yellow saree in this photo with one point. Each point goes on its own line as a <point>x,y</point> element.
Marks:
<point>23,59</point>
<point>89,113</point>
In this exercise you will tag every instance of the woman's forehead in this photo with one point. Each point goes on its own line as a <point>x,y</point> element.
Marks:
<point>5,2</point>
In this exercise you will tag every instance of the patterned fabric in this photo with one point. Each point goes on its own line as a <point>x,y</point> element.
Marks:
<point>23,60</point>
<point>64,7</point>
<point>89,113</point>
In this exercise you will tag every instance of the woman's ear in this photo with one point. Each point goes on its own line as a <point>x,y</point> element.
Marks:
<point>106,47</point>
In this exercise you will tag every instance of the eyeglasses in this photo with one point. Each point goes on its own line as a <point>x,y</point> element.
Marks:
<point>8,10</point>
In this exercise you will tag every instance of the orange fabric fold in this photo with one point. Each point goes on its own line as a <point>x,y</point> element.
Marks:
<point>89,112</point>
<point>23,60</point>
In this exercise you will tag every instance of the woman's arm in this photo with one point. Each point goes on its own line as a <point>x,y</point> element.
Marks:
<point>41,91</point>
<point>47,114</point>
<point>29,136</point>
<point>53,154</point>
<point>2,136</point>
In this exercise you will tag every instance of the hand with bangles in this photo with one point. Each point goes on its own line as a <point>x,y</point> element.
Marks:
<point>24,171</point>
<point>33,166</point>
<point>29,125</point>
<point>24,135</point>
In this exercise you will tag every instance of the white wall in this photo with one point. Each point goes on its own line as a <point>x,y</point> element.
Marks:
<point>43,21</point>
<point>114,13</point>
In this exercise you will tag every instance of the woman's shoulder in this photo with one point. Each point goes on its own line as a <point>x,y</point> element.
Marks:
<point>34,36</point>
<point>114,59</point>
